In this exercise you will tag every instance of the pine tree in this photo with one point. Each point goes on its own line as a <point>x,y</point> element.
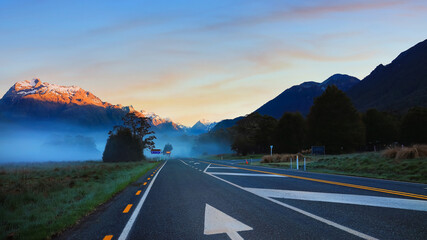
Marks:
<point>333,122</point>
<point>290,134</point>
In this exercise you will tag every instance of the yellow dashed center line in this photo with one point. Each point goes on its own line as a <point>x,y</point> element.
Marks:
<point>413,195</point>
<point>108,237</point>
<point>139,192</point>
<point>145,183</point>
<point>148,178</point>
<point>128,207</point>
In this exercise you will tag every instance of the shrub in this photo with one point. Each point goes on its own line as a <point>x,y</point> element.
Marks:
<point>415,151</point>
<point>276,158</point>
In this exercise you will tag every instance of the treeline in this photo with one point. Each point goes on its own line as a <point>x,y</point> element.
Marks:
<point>332,122</point>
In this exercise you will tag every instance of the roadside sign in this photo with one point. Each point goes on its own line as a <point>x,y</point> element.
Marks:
<point>156,151</point>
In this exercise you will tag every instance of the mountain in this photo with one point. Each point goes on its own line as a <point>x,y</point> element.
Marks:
<point>397,86</point>
<point>300,98</point>
<point>202,126</point>
<point>37,100</point>
<point>226,123</point>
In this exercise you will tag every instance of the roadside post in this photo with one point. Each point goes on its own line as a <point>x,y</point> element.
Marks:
<point>291,163</point>
<point>271,150</point>
<point>297,163</point>
<point>304,165</point>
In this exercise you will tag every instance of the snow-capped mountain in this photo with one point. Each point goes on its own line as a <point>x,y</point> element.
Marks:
<point>202,126</point>
<point>34,99</point>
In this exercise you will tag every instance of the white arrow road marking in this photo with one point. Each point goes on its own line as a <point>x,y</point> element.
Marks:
<point>400,203</point>
<point>245,174</point>
<point>326,221</point>
<point>218,222</point>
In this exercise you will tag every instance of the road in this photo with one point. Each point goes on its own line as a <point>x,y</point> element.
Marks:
<point>198,199</point>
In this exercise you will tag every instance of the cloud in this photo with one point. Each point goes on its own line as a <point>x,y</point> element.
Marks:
<point>298,13</point>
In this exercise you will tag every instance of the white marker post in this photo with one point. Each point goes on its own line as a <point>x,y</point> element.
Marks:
<point>297,163</point>
<point>271,150</point>
<point>291,163</point>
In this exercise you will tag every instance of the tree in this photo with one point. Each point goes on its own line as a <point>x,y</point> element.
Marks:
<point>168,148</point>
<point>414,126</point>
<point>123,146</point>
<point>335,123</point>
<point>381,128</point>
<point>140,128</point>
<point>127,143</point>
<point>253,134</point>
<point>290,134</point>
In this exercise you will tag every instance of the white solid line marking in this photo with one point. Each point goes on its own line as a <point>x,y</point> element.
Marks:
<point>245,174</point>
<point>207,167</point>
<point>135,213</point>
<point>333,224</point>
<point>400,203</point>
<point>184,163</point>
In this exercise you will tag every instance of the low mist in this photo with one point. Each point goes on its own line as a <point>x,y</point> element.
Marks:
<point>32,142</point>
<point>49,141</point>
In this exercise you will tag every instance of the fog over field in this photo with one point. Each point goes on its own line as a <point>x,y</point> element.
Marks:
<point>49,141</point>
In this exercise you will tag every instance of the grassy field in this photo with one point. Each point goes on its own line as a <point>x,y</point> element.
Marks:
<point>232,157</point>
<point>369,164</point>
<point>40,200</point>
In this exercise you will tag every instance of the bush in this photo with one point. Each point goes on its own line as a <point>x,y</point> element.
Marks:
<point>276,158</point>
<point>415,151</point>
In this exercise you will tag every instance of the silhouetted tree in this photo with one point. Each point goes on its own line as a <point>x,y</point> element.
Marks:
<point>414,126</point>
<point>168,147</point>
<point>140,128</point>
<point>123,146</point>
<point>335,123</point>
<point>381,128</point>
<point>127,143</point>
<point>253,134</point>
<point>290,134</point>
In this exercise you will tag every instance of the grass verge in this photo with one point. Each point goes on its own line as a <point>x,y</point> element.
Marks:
<point>369,164</point>
<point>40,200</point>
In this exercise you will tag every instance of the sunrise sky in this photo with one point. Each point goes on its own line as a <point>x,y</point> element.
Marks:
<point>189,60</point>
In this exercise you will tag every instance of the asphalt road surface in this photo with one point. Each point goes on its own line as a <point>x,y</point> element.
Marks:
<point>198,199</point>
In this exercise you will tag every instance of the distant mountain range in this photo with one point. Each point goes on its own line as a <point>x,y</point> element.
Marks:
<point>300,98</point>
<point>36,100</point>
<point>200,127</point>
<point>395,87</point>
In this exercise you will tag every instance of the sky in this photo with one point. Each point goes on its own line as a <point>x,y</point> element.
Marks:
<point>191,60</point>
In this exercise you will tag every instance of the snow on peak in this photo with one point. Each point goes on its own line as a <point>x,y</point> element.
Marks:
<point>43,91</point>
<point>205,121</point>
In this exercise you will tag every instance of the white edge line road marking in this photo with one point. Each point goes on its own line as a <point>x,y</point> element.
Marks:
<point>135,213</point>
<point>207,168</point>
<point>245,174</point>
<point>333,224</point>
<point>399,203</point>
